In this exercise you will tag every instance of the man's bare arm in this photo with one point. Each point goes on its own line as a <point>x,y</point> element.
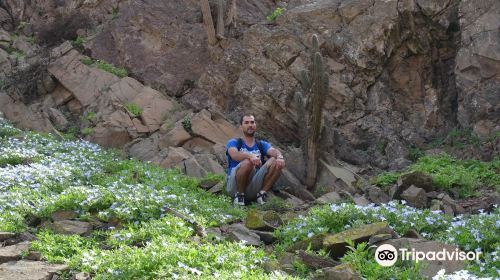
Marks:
<point>238,156</point>
<point>273,152</point>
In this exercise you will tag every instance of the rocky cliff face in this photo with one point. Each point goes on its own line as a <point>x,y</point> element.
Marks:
<point>402,72</point>
<point>395,81</point>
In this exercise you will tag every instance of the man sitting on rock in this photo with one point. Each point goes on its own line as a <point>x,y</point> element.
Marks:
<point>249,176</point>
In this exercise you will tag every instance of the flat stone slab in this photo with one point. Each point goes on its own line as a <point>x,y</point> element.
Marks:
<point>64,215</point>
<point>6,235</point>
<point>238,232</point>
<point>13,252</point>
<point>29,270</point>
<point>337,243</point>
<point>72,227</point>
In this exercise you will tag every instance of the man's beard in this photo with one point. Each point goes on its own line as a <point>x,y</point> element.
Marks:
<point>249,134</point>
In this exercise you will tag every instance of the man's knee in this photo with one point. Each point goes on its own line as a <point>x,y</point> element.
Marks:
<point>273,166</point>
<point>271,163</point>
<point>246,166</point>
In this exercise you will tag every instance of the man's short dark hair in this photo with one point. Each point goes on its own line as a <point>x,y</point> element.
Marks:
<point>246,115</point>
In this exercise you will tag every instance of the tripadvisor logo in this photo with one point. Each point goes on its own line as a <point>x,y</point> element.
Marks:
<point>387,255</point>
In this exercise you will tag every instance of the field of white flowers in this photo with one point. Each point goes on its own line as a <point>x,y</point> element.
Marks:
<point>40,174</point>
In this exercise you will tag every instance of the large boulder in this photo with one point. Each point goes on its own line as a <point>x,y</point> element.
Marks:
<point>86,83</point>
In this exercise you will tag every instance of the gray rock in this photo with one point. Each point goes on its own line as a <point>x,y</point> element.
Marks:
<point>58,119</point>
<point>63,215</point>
<point>82,276</point>
<point>33,256</point>
<point>415,197</point>
<point>418,179</point>
<point>6,235</point>
<point>193,168</point>
<point>5,65</point>
<point>29,270</point>
<point>436,205</point>
<point>292,200</point>
<point>210,164</point>
<point>331,197</point>
<point>266,236</point>
<point>378,238</point>
<point>448,201</point>
<point>208,183</point>
<point>13,252</point>
<point>361,200</point>
<point>394,191</point>
<point>215,232</point>
<point>72,227</point>
<point>4,36</point>
<point>218,187</point>
<point>412,233</point>
<point>263,220</point>
<point>26,236</point>
<point>287,261</point>
<point>377,196</point>
<point>316,262</point>
<point>337,245</point>
<point>238,232</point>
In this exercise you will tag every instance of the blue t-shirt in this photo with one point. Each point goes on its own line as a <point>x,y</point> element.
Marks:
<point>244,149</point>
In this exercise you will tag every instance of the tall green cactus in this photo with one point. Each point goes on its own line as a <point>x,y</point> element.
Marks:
<point>316,83</point>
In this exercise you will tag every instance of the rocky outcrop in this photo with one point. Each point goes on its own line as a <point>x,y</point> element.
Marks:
<point>401,72</point>
<point>391,66</point>
<point>478,66</point>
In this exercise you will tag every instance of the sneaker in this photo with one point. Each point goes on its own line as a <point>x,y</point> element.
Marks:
<point>262,197</point>
<point>239,199</point>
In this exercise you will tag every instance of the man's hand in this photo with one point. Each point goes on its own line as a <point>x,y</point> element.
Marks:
<point>280,162</point>
<point>255,160</point>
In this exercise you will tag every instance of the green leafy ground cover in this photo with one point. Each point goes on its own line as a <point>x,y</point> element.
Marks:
<point>80,176</point>
<point>474,233</point>
<point>41,175</point>
<point>448,172</point>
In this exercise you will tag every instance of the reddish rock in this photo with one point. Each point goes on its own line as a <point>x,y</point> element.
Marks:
<point>175,157</point>
<point>61,95</point>
<point>177,136</point>
<point>85,83</point>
